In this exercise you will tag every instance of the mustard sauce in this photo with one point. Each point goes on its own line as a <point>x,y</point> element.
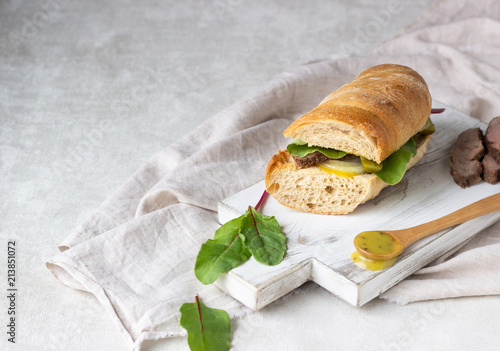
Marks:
<point>377,243</point>
<point>371,265</point>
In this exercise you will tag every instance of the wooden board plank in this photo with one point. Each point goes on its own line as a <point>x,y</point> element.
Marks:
<point>319,246</point>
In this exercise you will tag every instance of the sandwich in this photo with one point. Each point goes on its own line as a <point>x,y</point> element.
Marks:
<point>358,140</point>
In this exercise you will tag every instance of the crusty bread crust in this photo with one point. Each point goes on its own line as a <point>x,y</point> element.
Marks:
<point>316,191</point>
<point>373,116</point>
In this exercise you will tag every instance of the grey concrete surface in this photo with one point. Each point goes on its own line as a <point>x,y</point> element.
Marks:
<point>90,90</point>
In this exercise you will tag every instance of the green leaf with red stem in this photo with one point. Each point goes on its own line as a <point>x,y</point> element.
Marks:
<point>264,238</point>
<point>208,329</point>
<point>225,252</point>
<point>237,240</point>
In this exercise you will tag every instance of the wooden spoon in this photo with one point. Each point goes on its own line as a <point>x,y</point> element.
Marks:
<point>387,244</point>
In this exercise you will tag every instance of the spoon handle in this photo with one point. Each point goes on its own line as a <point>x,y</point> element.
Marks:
<point>477,209</point>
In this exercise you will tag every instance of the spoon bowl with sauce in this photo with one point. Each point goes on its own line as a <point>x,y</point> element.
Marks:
<point>386,245</point>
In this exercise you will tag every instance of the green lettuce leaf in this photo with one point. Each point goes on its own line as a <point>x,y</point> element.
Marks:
<point>208,329</point>
<point>394,166</point>
<point>299,148</point>
<point>225,252</point>
<point>264,238</point>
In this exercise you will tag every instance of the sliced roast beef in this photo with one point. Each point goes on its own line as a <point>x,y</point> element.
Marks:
<point>466,167</point>
<point>491,170</point>
<point>310,160</point>
<point>492,139</point>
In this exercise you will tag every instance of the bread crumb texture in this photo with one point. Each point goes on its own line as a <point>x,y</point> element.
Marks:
<point>316,191</point>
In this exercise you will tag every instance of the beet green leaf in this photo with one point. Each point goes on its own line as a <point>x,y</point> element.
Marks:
<point>264,238</point>
<point>208,329</point>
<point>225,252</point>
<point>300,148</point>
<point>394,166</point>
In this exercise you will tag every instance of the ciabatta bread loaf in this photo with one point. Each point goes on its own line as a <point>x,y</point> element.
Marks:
<point>314,190</point>
<point>373,116</point>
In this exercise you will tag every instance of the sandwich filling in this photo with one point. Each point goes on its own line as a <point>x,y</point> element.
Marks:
<point>391,170</point>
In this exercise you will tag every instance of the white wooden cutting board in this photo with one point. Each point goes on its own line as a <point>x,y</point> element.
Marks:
<point>319,246</point>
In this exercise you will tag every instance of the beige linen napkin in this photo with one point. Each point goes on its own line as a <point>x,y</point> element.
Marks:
<point>136,252</point>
